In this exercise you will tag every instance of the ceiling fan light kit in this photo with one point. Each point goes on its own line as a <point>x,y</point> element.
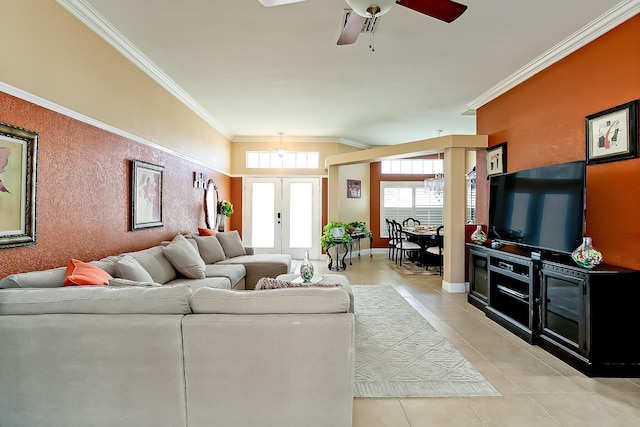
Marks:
<point>443,10</point>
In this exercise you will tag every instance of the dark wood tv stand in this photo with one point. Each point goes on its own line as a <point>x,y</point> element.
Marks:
<point>584,317</point>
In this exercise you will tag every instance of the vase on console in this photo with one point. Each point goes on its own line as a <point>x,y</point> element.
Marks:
<point>222,220</point>
<point>586,255</point>
<point>306,268</point>
<point>478,237</point>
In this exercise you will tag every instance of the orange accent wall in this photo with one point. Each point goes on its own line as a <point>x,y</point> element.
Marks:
<point>82,200</point>
<point>543,122</point>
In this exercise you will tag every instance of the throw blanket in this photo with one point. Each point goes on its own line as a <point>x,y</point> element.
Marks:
<point>270,283</point>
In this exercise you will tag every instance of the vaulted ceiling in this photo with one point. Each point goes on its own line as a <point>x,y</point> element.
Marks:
<point>254,71</point>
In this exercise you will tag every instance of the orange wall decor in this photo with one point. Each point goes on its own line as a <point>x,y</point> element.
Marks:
<point>543,122</point>
<point>82,200</point>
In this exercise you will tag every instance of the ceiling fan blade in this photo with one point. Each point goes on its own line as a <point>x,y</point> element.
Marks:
<point>444,10</point>
<point>351,29</point>
<point>269,3</point>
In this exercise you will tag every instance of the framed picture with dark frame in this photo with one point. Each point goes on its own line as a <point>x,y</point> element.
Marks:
<point>613,134</point>
<point>354,189</point>
<point>18,156</point>
<point>146,195</point>
<point>497,159</point>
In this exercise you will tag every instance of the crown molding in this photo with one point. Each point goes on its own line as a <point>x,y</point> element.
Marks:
<point>57,108</point>
<point>596,28</point>
<point>304,139</point>
<point>92,19</point>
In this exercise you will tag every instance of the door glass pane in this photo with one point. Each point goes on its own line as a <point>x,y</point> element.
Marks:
<point>300,214</point>
<point>263,215</point>
<point>563,307</point>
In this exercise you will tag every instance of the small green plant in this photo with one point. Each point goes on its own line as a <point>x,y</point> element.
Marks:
<point>327,240</point>
<point>361,227</point>
<point>226,208</point>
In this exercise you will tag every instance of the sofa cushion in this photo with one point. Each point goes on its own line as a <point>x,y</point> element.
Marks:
<point>209,282</point>
<point>117,281</point>
<point>231,243</point>
<point>80,273</point>
<point>96,300</point>
<point>156,264</point>
<point>130,269</point>
<point>277,301</point>
<point>210,249</point>
<point>207,232</point>
<point>35,279</point>
<point>184,257</point>
<point>233,272</point>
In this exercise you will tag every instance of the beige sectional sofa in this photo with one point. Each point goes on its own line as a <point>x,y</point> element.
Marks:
<point>171,350</point>
<point>167,356</point>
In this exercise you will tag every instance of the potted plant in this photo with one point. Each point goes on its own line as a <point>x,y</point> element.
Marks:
<point>359,227</point>
<point>333,232</point>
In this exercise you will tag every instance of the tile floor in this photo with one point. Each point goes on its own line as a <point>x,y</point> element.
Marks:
<point>537,389</point>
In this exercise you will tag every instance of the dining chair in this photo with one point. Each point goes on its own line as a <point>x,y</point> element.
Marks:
<point>410,222</point>
<point>392,239</point>
<point>403,245</point>
<point>437,250</point>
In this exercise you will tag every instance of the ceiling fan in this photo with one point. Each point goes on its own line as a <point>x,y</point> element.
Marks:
<point>444,10</point>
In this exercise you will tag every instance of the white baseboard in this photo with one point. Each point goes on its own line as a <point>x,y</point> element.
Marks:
<point>454,287</point>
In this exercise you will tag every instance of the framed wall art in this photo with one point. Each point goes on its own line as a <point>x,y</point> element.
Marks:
<point>613,134</point>
<point>497,159</point>
<point>354,189</point>
<point>18,155</point>
<point>146,195</point>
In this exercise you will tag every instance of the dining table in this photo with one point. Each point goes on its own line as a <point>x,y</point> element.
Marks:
<point>426,237</point>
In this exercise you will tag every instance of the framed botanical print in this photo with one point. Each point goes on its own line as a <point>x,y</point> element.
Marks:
<point>146,195</point>
<point>18,155</point>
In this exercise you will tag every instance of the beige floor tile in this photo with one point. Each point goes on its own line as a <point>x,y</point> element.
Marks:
<point>626,404</point>
<point>378,413</point>
<point>514,410</point>
<point>580,410</point>
<point>441,412</point>
<point>496,378</point>
<point>604,385</point>
<point>533,376</point>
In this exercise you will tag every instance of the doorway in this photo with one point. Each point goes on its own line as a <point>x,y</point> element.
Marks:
<point>282,215</point>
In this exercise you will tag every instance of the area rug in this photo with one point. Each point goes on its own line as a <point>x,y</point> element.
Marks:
<point>413,269</point>
<point>400,354</point>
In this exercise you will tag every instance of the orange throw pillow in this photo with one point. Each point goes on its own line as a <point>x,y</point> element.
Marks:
<point>82,273</point>
<point>207,232</point>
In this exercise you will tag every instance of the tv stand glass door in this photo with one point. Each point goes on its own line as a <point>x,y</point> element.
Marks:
<point>562,310</point>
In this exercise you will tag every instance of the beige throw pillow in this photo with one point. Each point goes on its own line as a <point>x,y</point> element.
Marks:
<point>210,249</point>
<point>130,269</point>
<point>231,243</point>
<point>184,257</point>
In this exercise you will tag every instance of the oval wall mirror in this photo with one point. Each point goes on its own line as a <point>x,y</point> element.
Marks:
<point>211,204</point>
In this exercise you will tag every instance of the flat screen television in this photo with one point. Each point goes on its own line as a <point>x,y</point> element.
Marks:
<point>542,208</point>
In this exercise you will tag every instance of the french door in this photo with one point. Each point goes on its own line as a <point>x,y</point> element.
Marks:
<point>282,215</point>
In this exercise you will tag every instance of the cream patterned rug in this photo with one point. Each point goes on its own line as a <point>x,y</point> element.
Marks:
<point>399,353</point>
<point>413,269</point>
